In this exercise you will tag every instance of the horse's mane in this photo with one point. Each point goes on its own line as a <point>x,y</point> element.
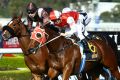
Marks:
<point>52,28</point>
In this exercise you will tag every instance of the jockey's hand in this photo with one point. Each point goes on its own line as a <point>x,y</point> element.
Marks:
<point>46,21</point>
<point>62,34</point>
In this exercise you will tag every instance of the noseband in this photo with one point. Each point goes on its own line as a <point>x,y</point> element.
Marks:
<point>9,29</point>
<point>12,32</point>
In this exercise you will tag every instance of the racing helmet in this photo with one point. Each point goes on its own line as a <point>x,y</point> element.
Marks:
<point>31,8</point>
<point>54,15</point>
<point>66,9</point>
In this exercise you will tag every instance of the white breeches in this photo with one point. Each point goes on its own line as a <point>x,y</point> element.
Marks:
<point>78,29</point>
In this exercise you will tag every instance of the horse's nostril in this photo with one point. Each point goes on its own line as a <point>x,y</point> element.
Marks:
<point>5,36</point>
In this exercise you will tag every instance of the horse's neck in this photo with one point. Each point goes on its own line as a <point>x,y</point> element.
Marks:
<point>24,42</point>
<point>24,39</point>
<point>24,30</point>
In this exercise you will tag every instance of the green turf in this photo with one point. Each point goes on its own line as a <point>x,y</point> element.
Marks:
<point>15,75</point>
<point>14,63</point>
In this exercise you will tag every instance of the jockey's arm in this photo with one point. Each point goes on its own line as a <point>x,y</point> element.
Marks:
<point>72,26</point>
<point>85,18</point>
<point>46,20</point>
<point>29,23</point>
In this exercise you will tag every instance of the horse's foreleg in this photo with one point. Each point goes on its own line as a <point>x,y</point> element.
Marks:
<point>67,71</point>
<point>52,73</point>
<point>36,77</point>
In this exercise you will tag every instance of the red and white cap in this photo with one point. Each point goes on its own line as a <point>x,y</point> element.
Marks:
<point>66,9</point>
<point>54,14</point>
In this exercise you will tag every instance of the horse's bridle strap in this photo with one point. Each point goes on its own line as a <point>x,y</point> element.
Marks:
<point>11,31</point>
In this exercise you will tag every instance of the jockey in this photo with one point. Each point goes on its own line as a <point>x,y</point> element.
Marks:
<point>86,19</point>
<point>38,15</point>
<point>74,23</point>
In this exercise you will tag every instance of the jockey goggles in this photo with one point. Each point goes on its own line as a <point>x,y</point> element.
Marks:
<point>30,12</point>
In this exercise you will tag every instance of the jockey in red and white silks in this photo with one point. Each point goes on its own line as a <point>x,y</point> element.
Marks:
<point>73,22</point>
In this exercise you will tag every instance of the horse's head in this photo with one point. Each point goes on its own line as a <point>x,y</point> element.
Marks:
<point>13,28</point>
<point>38,37</point>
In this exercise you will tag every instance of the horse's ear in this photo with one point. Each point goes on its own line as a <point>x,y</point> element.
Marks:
<point>14,16</point>
<point>20,15</point>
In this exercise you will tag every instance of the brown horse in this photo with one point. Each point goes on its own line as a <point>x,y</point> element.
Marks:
<point>100,69</point>
<point>60,48</point>
<point>35,62</point>
<point>66,60</point>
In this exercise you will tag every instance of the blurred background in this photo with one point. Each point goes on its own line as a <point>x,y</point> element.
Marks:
<point>99,10</point>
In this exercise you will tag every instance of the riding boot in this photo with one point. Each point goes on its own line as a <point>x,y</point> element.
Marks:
<point>88,37</point>
<point>85,46</point>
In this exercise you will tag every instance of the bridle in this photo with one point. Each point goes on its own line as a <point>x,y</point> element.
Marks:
<point>15,33</point>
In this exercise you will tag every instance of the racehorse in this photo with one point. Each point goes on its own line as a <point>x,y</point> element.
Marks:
<point>35,62</point>
<point>102,48</point>
<point>16,30</point>
<point>112,43</point>
<point>66,60</point>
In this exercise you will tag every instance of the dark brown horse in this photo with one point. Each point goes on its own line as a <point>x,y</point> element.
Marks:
<point>35,62</point>
<point>60,47</point>
<point>99,69</point>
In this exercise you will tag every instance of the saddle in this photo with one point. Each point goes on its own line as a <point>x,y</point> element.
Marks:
<point>90,50</point>
<point>92,54</point>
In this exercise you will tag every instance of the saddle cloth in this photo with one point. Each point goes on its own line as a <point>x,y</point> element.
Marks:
<point>91,54</point>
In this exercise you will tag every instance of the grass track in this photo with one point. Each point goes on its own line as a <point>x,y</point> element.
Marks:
<point>13,63</point>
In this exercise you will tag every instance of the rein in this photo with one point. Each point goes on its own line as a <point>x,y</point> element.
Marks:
<point>46,42</point>
<point>9,29</point>
<point>35,48</point>
<point>67,46</point>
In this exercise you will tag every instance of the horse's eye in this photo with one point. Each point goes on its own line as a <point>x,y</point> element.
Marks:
<point>14,25</point>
